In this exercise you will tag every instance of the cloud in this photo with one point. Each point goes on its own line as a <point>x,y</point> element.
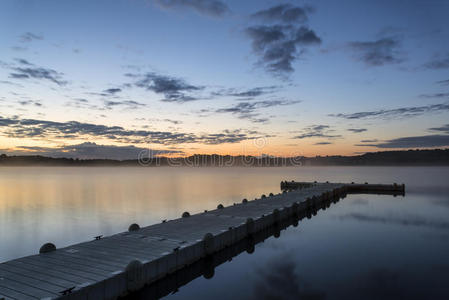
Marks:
<point>444,128</point>
<point>248,110</point>
<point>227,136</point>
<point>317,131</point>
<point>250,107</point>
<point>379,52</point>
<point>42,129</point>
<point>285,13</point>
<point>23,61</point>
<point>443,82</point>
<point>112,91</point>
<point>436,95</point>
<point>174,89</point>
<point>29,70</point>
<point>81,103</point>
<point>357,130</point>
<point>425,141</point>
<point>385,113</point>
<point>109,104</point>
<point>323,143</point>
<point>174,122</point>
<point>369,141</point>
<point>213,8</point>
<point>9,83</point>
<point>29,37</point>
<point>438,63</point>
<point>18,76</point>
<point>89,150</point>
<point>247,94</point>
<point>30,102</point>
<point>19,49</point>
<point>278,46</point>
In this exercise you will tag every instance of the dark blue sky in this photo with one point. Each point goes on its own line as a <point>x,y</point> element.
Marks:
<point>189,76</point>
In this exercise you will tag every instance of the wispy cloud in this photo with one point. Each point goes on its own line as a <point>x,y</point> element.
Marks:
<point>317,131</point>
<point>435,95</point>
<point>285,13</point>
<point>112,91</point>
<point>369,141</point>
<point>402,112</point>
<point>129,104</point>
<point>27,70</point>
<point>357,130</point>
<point>379,52</point>
<point>174,122</point>
<point>247,94</point>
<point>29,37</point>
<point>444,128</point>
<point>42,129</point>
<point>174,89</point>
<point>249,110</point>
<point>425,141</point>
<point>213,8</point>
<point>30,102</point>
<point>443,82</point>
<point>438,62</point>
<point>23,61</point>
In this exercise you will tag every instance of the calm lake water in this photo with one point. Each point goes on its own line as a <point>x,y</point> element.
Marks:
<point>363,247</point>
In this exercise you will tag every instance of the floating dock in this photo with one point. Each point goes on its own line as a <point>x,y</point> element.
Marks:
<point>115,266</point>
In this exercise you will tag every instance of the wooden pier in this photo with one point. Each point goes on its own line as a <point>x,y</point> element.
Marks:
<point>117,265</point>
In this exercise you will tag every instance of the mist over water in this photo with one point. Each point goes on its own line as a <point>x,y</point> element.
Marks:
<point>363,247</point>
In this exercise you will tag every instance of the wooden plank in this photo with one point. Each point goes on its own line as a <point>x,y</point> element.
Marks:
<point>46,267</point>
<point>48,271</point>
<point>26,289</point>
<point>116,252</point>
<point>48,262</point>
<point>12,294</point>
<point>37,283</point>
<point>37,275</point>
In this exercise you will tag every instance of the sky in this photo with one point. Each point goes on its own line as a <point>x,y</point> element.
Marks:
<point>109,79</point>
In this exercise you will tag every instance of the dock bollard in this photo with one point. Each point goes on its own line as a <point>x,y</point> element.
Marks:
<point>276,215</point>
<point>249,226</point>
<point>220,206</point>
<point>294,209</point>
<point>245,200</point>
<point>263,196</point>
<point>134,275</point>
<point>133,227</point>
<point>48,247</point>
<point>186,214</point>
<point>209,242</point>
<point>271,195</point>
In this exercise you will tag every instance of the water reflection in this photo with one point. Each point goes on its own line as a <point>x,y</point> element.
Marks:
<point>364,247</point>
<point>206,267</point>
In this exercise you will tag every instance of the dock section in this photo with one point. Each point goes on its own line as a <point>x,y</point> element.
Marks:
<point>117,265</point>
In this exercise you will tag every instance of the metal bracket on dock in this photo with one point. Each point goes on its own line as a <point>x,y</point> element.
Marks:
<point>67,291</point>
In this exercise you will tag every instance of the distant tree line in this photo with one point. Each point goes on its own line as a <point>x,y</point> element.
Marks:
<point>437,157</point>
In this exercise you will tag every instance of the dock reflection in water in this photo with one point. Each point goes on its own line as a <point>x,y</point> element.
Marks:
<point>206,266</point>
